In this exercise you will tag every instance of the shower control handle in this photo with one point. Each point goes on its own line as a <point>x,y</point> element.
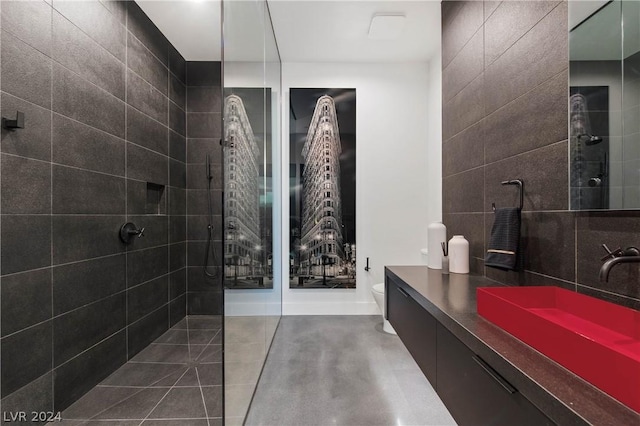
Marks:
<point>138,232</point>
<point>129,231</point>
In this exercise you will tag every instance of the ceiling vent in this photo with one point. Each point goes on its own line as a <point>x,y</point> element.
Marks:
<point>386,26</point>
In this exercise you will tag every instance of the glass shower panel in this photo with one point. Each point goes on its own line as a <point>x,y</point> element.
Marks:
<point>251,123</point>
<point>273,96</point>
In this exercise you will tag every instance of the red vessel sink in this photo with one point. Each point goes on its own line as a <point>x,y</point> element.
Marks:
<point>597,340</point>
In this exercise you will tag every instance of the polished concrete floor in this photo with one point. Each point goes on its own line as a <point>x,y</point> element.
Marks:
<point>342,370</point>
<point>247,341</point>
<point>177,380</point>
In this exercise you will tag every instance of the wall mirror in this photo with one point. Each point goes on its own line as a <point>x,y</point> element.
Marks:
<point>604,105</point>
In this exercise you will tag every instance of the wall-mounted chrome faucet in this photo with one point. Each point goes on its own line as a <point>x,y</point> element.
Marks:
<point>129,231</point>
<point>628,255</point>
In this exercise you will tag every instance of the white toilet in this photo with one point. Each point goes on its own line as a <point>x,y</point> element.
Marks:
<point>378,295</point>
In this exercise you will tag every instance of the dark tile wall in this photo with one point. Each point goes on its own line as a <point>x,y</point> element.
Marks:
<point>103,92</point>
<point>505,91</point>
<point>203,127</point>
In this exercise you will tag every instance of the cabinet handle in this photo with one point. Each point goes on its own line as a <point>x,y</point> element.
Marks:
<point>493,373</point>
<point>404,293</point>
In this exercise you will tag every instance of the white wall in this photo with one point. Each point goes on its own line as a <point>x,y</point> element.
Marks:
<point>434,140</point>
<point>398,171</point>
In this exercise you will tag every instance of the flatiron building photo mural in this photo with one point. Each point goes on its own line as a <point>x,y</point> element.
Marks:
<point>247,189</point>
<point>323,187</point>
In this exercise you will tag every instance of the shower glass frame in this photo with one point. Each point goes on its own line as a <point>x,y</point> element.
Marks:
<point>252,90</point>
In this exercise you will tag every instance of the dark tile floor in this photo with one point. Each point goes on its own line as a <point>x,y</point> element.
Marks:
<point>177,380</point>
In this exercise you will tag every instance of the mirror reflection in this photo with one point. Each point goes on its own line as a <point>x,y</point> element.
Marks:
<point>247,188</point>
<point>604,105</point>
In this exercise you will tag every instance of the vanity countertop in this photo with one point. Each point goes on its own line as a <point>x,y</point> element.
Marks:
<point>561,395</point>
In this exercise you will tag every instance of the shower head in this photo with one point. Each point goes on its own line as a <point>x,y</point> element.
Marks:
<point>591,139</point>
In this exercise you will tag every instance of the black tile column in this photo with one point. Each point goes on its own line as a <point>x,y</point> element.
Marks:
<point>204,131</point>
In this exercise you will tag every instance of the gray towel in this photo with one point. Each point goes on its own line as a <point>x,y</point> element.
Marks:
<point>502,251</point>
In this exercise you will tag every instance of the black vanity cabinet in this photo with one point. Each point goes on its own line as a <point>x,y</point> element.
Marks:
<point>473,392</point>
<point>404,313</point>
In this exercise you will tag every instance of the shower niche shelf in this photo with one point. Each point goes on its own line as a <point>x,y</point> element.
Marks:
<point>156,200</point>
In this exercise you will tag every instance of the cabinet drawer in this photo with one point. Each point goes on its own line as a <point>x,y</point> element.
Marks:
<point>415,327</point>
<point>474,393</point>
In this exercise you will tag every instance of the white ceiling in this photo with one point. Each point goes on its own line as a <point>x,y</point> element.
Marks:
<point>192,26</point>
<point>306,30</point>
<point>336,31</point>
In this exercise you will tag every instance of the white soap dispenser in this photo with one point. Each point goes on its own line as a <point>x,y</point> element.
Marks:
<point>436,235</point>
<point>459,255</point>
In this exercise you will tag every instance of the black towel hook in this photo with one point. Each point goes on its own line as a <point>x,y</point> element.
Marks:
<point>18,123</point>
<point>520,184</point>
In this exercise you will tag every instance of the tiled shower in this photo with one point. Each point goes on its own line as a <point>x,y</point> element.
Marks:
<point>117,129</point>
<point>203,118</point>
